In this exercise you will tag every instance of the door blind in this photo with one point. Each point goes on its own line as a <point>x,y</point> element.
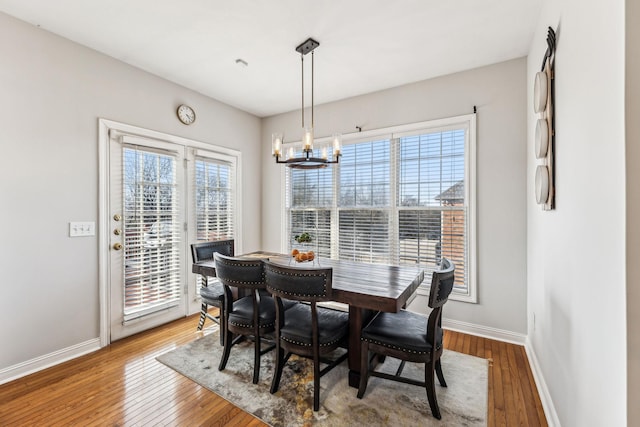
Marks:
<point>151,232</point>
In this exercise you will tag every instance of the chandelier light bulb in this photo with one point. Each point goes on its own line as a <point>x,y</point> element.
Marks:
<point>276,144</point>
<point>337,145</point>
<point>307,139</point>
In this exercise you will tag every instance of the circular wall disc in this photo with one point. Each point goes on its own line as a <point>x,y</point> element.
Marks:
<point>542,138</point>
<point>540,92</point>
<point>542,184</point>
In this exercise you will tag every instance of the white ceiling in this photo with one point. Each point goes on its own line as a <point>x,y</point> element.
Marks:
<point>365,45</point>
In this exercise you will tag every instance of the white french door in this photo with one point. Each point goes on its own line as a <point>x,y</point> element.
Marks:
<point>148,234</point>
<point>158,194</point>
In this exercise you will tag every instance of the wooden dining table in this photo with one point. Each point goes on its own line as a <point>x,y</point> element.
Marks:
<point>365,288</point>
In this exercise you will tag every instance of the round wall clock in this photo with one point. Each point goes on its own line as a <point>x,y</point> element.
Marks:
<point>186,114</point>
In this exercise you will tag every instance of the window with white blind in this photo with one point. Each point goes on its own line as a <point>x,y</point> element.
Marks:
<point>363,209</point>
<point>214,208</point>
<point>311,203</point>
<point>401,195</point>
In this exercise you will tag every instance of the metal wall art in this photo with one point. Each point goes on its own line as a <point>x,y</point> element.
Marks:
<point>543,104</point>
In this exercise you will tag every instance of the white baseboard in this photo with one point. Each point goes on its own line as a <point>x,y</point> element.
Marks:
<point>484,331</point>
<point>39,363</point>
<point>543,391</point>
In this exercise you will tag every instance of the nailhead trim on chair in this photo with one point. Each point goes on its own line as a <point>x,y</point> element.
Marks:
<point>302,275</point>
<point>308,345</point>
<point>396,347</point>
<point>242,264</point>
<point>244,283</point>
<point>242,325</point>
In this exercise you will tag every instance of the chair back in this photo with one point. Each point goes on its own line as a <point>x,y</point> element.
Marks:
<point>441,284</point>
<point>204,251</point>
<point>239,272</point>
<point>311,284</point>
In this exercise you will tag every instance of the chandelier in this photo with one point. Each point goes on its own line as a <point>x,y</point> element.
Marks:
<point>305,159</point>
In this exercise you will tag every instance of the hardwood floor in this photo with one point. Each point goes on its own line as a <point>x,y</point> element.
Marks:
<point>123,385</point>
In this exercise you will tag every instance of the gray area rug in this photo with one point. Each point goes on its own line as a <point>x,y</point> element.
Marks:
<point>462,403</point>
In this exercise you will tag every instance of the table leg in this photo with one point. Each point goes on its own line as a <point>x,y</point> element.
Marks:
<point>358,317</point>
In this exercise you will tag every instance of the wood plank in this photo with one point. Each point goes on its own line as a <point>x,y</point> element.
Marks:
<point>499,409</point>
<point>466,348</point>
<point>490,398</point>
<point>507,386</point>
<point>519,417</point>
<point>473,347</point>
<point>530,391</point>
<point>453,340</point>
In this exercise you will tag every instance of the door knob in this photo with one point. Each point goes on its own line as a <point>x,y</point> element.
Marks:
<point>117,246</point>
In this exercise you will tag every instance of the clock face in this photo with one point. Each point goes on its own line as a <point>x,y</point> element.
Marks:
<point>186,114</point>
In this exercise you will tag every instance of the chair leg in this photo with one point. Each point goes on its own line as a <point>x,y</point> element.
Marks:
<point>256,359</point>
<point>429,380</point>
<point>316,379</point>
<point>222,322</point>
<point>277,371</point>
<point>440,374</point>
<point>203,316</point>
<point>228,343</point>
<point>364,368</point>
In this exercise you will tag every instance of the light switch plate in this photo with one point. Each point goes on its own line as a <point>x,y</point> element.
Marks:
<point>82,229</point>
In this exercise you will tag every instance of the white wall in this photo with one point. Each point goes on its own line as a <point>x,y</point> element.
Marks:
<point>52,93</point>
<point>576,253</point>
<point>499,92</point>
<point>633,207</point>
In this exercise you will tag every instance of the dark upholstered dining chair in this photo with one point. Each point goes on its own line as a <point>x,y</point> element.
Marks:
<point>305,329</point>
<point>211,291</point>
<point>410,337</point>
<point>251,316</point>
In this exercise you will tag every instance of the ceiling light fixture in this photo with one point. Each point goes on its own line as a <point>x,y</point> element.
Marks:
<point>305,159</point>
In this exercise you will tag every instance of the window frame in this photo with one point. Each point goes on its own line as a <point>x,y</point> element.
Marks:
<point>394,133</point>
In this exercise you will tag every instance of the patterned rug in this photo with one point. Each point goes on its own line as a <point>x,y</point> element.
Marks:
<point>462,403</point>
